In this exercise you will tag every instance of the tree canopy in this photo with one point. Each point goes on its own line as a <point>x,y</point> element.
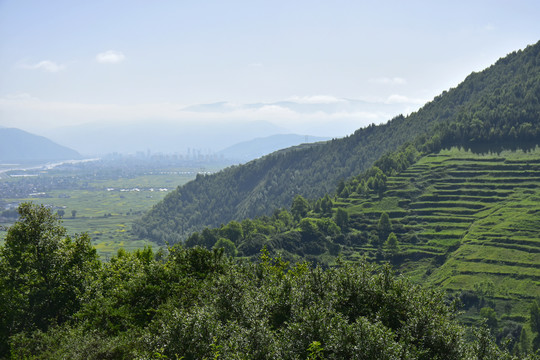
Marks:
<point>198,303</point>
<point>44,274</point>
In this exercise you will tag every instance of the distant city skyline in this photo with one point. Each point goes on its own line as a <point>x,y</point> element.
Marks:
<point>309,67</point>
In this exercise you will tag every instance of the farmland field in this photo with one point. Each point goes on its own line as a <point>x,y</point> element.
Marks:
<point>464,222</point>
<point>101,199</point>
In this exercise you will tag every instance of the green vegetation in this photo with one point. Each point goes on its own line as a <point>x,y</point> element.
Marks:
<point>463,222</point>
<point>101,200</point>
<point>501,103</point>
<point>44,274</point>
<point>199,304</point>
<point>105,215</point>
<point>453,208</point>
<point>448,196</point>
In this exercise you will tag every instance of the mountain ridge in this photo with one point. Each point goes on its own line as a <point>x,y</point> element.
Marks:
<point>509,89</point>
<point>258,147</point>
<point>160,136</point>
<point>20,146</point>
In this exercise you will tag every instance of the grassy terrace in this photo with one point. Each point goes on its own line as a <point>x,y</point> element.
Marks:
<point>463,219</point>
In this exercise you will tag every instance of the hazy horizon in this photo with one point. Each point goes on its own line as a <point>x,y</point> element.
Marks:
<point>314,68</point>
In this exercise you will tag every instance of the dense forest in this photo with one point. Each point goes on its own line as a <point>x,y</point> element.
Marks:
<point>500,103</point>
<point>427,206</point>
<point>60,301</point>
<point>416,208</point>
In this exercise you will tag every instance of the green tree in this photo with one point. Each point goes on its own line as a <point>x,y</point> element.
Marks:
<point>309,228</point>
<point>340,187</point>
<point>208,238</point>
<point>326,206</point>
<point>73,213</point>
<point>61,213</point>
<point>392,243</point>
<point>228,246</point>
<point>534,313</point>
<point>384,227</point>
<point>233,231</point>
<point>43,273</point>
<point>300,207</point>
<point>342,218</point>
<point>491,318</point>
<point>286,218</point>
<point>522,347</point>
<point>377,180</point>
<point>248,228</point>
<point>328,227</point>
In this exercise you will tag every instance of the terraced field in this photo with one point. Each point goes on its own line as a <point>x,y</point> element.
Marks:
<point>464,220</point>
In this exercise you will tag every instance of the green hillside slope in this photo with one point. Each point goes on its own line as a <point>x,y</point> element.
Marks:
<point>487,105</point>
<point>462,221</point>
<point>501,241</point>
<point>474,213</point>
<point>198,304</point>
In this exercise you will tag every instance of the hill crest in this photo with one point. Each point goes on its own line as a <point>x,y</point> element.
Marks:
<point>20,146</point>
<point>486,106</point>
<point>258,147</point>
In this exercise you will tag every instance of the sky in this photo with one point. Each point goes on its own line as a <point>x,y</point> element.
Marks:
<point>313,67</point>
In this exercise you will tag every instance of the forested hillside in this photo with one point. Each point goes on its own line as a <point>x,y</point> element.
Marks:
<point>60,302</point>
<point>499,103</point>
<point>457,209</point>
<point>461,221</point>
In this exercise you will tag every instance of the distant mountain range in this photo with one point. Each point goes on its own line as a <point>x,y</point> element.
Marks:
<point>213,127</point>
<point>253,149</point>
<point>157,136</point>
<point>20,146</point>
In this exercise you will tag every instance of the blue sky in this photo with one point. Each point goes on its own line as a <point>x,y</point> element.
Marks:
<point>75,62</point>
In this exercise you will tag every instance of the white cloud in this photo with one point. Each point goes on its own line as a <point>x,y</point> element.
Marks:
<point>317,99</point>
<point>110,57</point>
<point>274,111</point>
<point>45,65</point>
<point>389,81</point>
<point>256,65</point>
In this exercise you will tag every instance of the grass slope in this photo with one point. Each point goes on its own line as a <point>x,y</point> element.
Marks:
<point>464,220</point>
